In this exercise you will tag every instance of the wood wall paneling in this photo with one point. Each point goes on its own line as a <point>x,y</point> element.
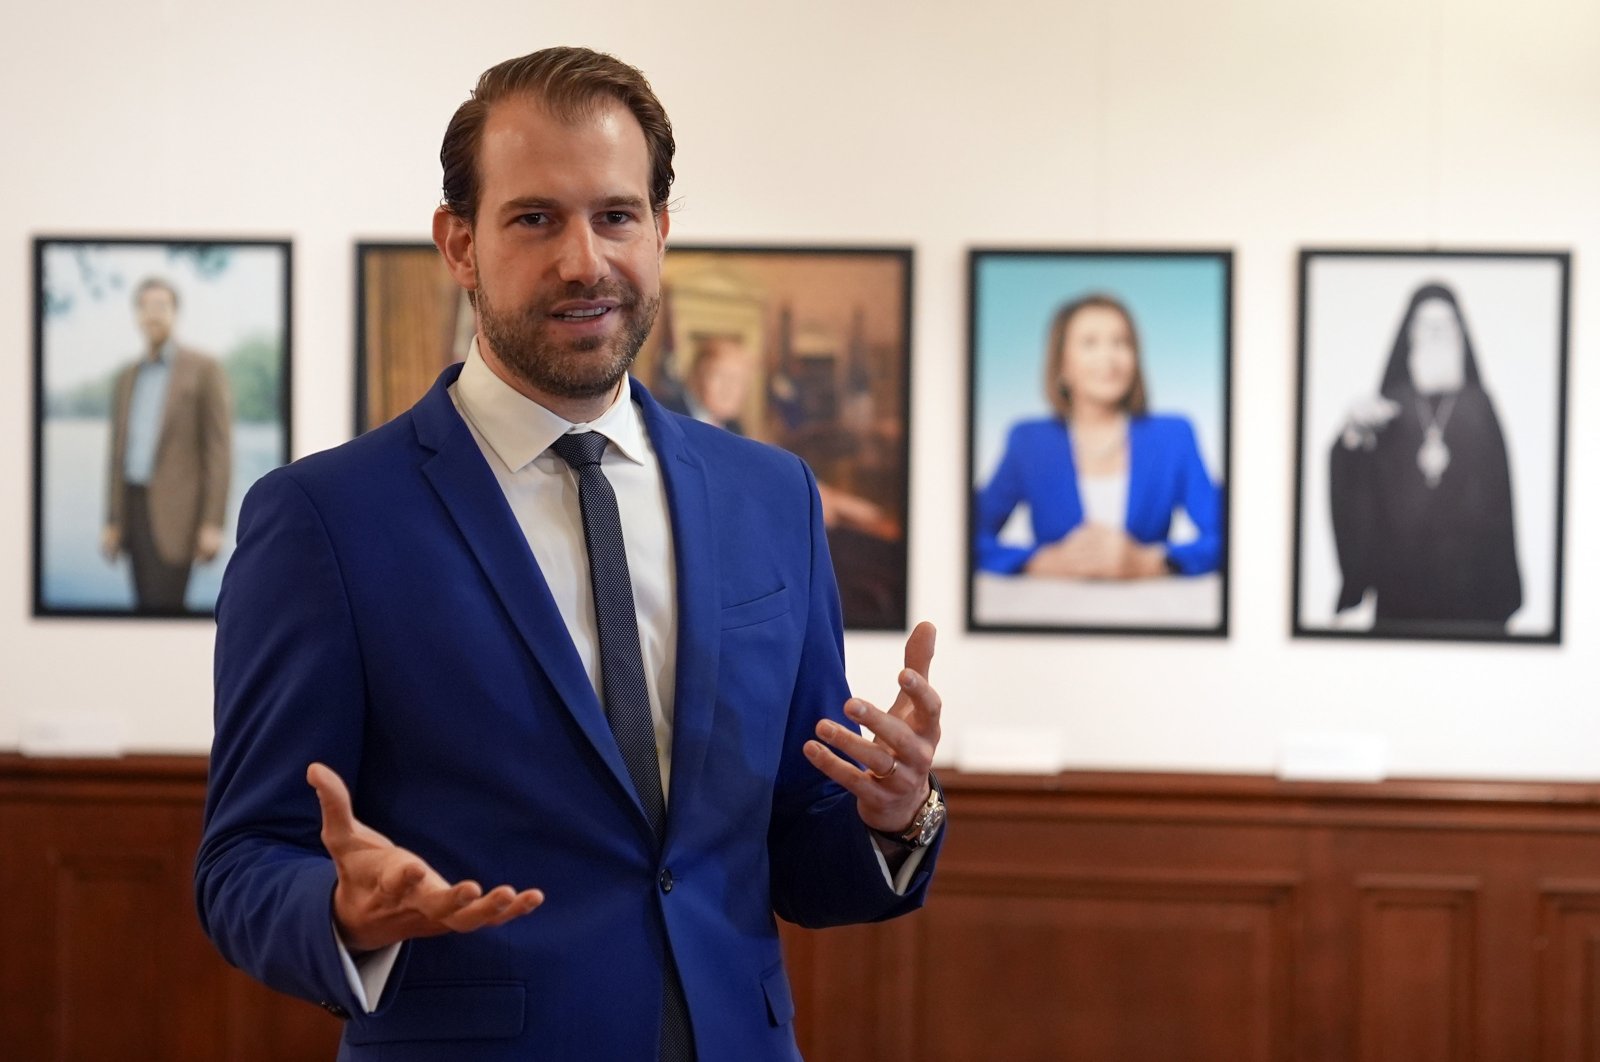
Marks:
<point>101,954</point>
<point>1569,970</point>
<point>1105,966</point>
<point>1416,961</point>
<point>109,930</point>
<point>1101,918</point>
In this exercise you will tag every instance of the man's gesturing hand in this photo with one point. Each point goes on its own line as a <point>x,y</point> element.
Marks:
<point>387,894</point>
<point>892,782</point>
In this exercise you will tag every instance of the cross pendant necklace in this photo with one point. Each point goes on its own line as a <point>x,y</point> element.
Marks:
<point>1433,457</point>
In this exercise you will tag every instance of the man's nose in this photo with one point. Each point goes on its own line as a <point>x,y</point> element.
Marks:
<point>581,257</point>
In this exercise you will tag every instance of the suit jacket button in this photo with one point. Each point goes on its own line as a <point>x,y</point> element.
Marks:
<point>665,881</point>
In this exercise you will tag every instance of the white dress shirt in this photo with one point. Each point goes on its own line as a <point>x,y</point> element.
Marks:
<point>151,380</point>
<point>515,433</point>
<point>1105,499</point>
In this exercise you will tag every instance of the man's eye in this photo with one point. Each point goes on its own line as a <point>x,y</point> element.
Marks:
<point>534,219</point>
<point>618,217</point>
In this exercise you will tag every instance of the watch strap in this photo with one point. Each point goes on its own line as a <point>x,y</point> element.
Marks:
<point>912,836</point>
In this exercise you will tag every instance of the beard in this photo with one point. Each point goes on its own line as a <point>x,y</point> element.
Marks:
<point>584,368</point>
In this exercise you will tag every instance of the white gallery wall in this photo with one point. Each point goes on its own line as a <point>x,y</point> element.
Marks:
<point>1260,125</point>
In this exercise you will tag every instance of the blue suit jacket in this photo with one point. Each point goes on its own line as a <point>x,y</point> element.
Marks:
<point>1165,472</point>
<point>383,614</point>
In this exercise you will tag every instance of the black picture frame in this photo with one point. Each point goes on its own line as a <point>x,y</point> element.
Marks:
<point>1180,302</point>
<point>230,362</point>
<point>1430,456</point>
<point>828,326</point>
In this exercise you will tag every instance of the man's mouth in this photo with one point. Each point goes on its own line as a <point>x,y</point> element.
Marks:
<point>584,310</point>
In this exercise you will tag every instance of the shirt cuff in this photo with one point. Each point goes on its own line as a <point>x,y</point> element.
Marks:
<point>369,974</point>
<point>899,880</point>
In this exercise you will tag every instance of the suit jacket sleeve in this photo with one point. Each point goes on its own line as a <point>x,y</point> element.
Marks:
<point>995,502</point>
<point>1352,503</point>
<point>289,690</point>
<point>1202,500</point>
<point>121,395</point>
<point>824,868</point>
<point>1501,579</point>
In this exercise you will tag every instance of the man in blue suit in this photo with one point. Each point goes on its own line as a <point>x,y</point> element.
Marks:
<point>540,631</point>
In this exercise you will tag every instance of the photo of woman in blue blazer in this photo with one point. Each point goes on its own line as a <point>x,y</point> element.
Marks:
<point>1103,478</point>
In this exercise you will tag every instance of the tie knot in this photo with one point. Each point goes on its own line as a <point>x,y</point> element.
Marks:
<point>581,449</point>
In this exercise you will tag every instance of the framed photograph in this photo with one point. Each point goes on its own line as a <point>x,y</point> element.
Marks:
<point>805,348</point>
<point>1098,434</point>
<point>161,393</point>
<point>412,321</point>
<point>1432,444</point>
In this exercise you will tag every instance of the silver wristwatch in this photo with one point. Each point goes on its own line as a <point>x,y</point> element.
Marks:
<point>925,827</point>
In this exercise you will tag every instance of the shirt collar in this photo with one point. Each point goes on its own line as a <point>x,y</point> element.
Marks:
<point>163,354</point>
<point>519,429</point>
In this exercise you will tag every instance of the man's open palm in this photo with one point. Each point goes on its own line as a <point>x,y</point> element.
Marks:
<point>387,894</point>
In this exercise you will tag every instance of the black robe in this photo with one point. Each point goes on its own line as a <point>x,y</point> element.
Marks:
<point>1441,559</point>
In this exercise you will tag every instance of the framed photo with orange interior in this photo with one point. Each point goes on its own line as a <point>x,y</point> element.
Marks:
<point>807,348</point>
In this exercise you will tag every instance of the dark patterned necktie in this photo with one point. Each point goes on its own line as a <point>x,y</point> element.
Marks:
<point>622,683</point>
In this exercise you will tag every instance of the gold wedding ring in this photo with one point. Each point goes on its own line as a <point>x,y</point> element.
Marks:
<point>894,765</point>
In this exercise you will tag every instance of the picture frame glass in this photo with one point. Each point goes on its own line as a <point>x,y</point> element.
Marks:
<point>161,394</point>
<point>1431,445</point>
<point>1099,489</point>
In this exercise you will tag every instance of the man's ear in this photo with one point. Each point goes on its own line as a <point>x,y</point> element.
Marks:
<point>453,236</point>
<point>663,223</point>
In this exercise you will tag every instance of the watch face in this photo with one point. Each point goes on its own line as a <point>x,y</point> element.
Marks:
<point>930,825</point>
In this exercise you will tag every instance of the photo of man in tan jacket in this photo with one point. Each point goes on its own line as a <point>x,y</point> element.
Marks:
<point>170,456</point>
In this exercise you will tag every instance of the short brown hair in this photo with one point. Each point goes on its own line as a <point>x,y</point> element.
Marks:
<point>1135,402</point>
<point>570,82</point>
<point>155,284</point>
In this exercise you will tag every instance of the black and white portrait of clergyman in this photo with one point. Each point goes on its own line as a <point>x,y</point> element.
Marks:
<point>1430,502</point>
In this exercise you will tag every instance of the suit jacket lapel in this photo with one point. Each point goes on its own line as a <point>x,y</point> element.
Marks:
<point>468,489</point>
<point>1139,473</point>
<point>699,605</point>
<point>179,382</point>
